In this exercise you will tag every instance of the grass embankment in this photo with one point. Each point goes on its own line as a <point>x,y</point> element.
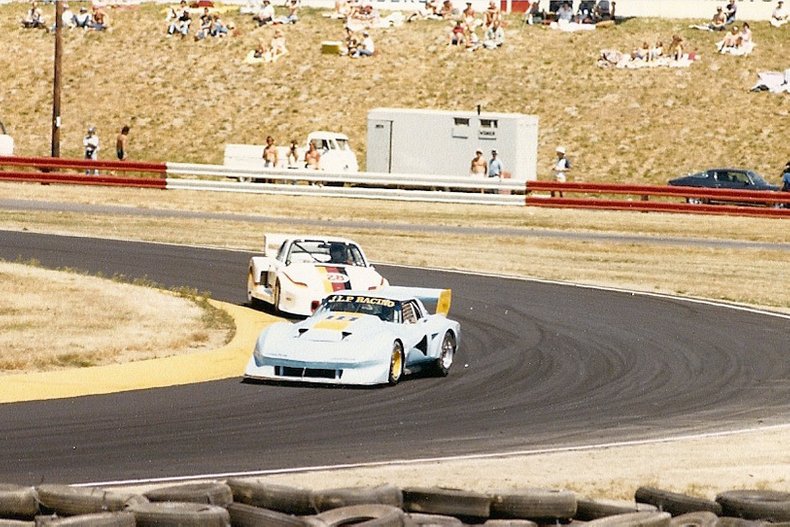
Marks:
<point>53,320</point>
<point>186,99</point>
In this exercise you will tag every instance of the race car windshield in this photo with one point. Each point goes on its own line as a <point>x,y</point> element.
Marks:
<point>384,309</point>
<point>308,251</point>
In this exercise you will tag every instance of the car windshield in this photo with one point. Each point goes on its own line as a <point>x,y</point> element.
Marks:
<point>758,179</point>
<point>383,308</point>
<point>323,252</point>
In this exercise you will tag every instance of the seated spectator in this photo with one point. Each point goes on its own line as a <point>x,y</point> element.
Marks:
<point>206,25</point>
<point>67,18</point>
<point>265,15</point>
<point>584,14</point>
<point>642,53</point>
<point>731,40</point>
<point>780,15</point>
<point>656,51</point>
<point>292,17</point>
<point>278,47</point>
<point>469,17</point>
<point>746,33</point>
<point>365,48</point>
<point>565,13</point>
<point>99,19</point>
<point>457,34</point>
<point>494,37</point>
<point>83,18</point>
<point>602,11</point>
<point>730,11</point>
<point>492,14</point>
<point>351,42</point>
<point>675,49</point>
<point>218,28</point>
<point>34,19</point>
<point>719,20</point>
<point>472,40</point>
<point>535,14</point>
<point>260,54</point>
<point>447,10</point>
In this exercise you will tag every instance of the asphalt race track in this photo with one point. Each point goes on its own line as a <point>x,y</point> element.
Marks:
<point>541,365</point>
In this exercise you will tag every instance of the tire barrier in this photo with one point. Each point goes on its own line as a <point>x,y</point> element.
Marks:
<point>174,514</point>
<point>675,503</point>
<point>769,505</point>
<point>210,493</point>
<point>266,495</point>
<point>535,504</point>
<point>18,502</point>
<point>257,503</point>
<point>99,519</point>
<point>325,500</point>
<point>588,509</point>
<point>72,501</point>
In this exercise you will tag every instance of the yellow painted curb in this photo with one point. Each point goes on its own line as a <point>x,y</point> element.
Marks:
<point>225,362</point>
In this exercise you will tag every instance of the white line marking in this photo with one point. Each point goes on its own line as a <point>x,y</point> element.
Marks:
<point>466,457</point>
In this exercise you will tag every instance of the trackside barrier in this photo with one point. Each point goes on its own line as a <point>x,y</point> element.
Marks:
<point>42,170</point>
<point>744,202</point>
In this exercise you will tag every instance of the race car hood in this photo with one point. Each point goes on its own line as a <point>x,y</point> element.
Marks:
<point>330,277</point>
<point>336,327</point>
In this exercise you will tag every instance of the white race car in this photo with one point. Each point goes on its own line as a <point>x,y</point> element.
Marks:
<point>296,273</point>
<point>361,337</point>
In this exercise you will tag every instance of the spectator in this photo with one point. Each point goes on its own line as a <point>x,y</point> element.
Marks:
<point>312,158</point>
<point>786,178</point>
<point>184,21</point>
<point>602,11</point>
<point>351,42</point>
<point>719,20</point>
<point>68,17</point>
<point>34,19</point>
<point>561,167</point>
<point>495,166</point>
<point>584,14</point>
<point>675,50</point>
<point>206,25</point>
<point>494,37</point>
<point>278,47</point>
<point>478,167</point>
<point>292,17</point>
<point>746,33</point>
<point>120,143</point>
<point>492,14</point>
<point>293,154</point>
<point>780,16</point>
<point>535,14</point>
<point>472,40</point>
<point>83,18</point>
<point>271,157</point>
<point>91,144</point>
<point>447,10</point>
<point>729,11</point>
<point>565,13</point>
<point>218,27</point>
<point>99,19</point>
<point>366,48</point>
<point>265,15</point>
<point>457,34</point>
<point>469,17</point>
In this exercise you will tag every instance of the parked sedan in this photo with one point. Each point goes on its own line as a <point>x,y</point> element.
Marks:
<point>725,178</point>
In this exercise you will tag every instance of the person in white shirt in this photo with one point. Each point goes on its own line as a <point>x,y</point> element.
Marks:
<point>266,14</point>
<point>780,16</point>
<point>366,48</point>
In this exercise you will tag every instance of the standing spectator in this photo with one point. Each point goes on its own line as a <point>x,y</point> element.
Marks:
<point>293,154</point>
<point>561,167</point>
<point>495,165</point>
<point>34,19</point>
<point>366,48</point>
<point>120,143</point>
<point>780,16</point>
<point>270,156</point>
<point>312,158</point>
<point>786,178</point>
<point>730,12</point>
<point>478,167</point>
<point>91,144</point>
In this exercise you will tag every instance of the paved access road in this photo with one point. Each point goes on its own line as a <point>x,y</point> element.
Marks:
<point>541,365</point>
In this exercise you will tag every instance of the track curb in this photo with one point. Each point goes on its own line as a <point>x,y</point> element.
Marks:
<point>225,362</point>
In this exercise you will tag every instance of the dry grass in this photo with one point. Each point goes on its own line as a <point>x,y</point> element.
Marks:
<point>56,320</point>
<point>186,99</point>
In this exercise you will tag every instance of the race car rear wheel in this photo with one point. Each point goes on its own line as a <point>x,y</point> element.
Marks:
<point>396,363</point>
<point>445,360</point>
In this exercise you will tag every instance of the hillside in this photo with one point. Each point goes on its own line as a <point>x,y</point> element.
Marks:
<point>186,99</point>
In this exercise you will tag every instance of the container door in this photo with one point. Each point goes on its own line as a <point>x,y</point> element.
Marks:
<point>379,158</point>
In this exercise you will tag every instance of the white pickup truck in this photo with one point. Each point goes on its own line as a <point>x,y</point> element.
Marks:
<point>336,154</point>
<point>6,142</point>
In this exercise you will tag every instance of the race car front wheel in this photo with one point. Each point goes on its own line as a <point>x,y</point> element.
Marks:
<point>396,363</point>
<point>445,360</point>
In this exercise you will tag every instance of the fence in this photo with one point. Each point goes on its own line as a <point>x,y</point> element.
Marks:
<point>403,187</point>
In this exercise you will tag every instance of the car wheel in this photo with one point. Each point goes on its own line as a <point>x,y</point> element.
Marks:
<point>396,363</point>
<point>250,286</point>
<point>447,354</point>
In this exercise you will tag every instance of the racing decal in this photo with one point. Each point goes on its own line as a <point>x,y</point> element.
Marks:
<point>386,302</point>
<point>335,278</point>
<point>336,322</point>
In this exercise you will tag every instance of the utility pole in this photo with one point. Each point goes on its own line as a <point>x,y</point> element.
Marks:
<point>57,83</point>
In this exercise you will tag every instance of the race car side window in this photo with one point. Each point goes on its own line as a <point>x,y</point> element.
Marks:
<point>411,314</point>
<point>355,255</point>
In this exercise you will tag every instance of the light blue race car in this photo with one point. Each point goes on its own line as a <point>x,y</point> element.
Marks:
<point>361,338</point>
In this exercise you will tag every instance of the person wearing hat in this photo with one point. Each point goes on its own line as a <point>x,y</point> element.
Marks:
<point>561,167</point>
<point>366,48</point>
<point>719,20</point>
<point>495,166</point>
<point>266,14</point>
<point>83,18</point>
<point>780,16</point>
<point>478,167</point>
<point>91,144</point>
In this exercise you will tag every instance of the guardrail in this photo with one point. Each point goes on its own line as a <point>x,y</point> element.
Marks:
<point>404,187</point>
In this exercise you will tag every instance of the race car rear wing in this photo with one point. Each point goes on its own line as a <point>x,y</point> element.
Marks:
<point>435,300</point>
<point>272,243</point>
